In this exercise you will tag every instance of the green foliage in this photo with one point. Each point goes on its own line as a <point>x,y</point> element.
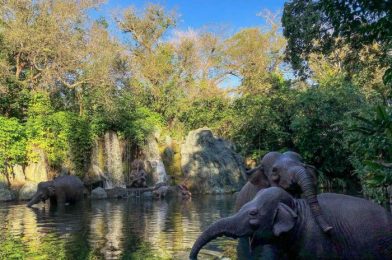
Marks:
<point>369,136</point>
<point>12,248</point>
<point>46,130</point>
<point>63,136</point>
<point>144,122</point>
<point>324,26</point>
<point>80,139</point>
<point>12,144</point>
<point>204,111</point>
<point>317,128</point>
<point>260,123</point>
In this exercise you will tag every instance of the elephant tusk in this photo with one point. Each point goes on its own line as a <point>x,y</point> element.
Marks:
<point>251,238</point>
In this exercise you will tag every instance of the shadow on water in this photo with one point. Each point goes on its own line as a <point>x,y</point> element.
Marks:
<point>111,229</point>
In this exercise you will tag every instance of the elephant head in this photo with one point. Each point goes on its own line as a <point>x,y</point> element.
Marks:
<point>44,191</point>
<point>290,173</point>
<point>271,213</point>
<point>258,175</point>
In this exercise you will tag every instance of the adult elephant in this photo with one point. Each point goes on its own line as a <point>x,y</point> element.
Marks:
<point>64,189</point>
<point>361,228</point>
<point>257,180</point>
<point>287,171</point>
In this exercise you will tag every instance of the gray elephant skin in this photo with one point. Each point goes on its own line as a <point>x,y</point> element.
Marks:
<point>62,190</point>
<point>361,228</point>
<point>287,171</point>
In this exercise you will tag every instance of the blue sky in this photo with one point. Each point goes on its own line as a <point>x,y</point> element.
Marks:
<point>229,14</point>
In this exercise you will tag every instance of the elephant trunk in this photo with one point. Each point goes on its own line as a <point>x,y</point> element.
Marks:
<point>223,227</point>
<point>34,200</point>
<point>309,192</point>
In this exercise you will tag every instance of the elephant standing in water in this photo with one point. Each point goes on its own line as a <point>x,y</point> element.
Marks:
<point>361,228</point>
<point>64,189</point>
<point>288,172</point>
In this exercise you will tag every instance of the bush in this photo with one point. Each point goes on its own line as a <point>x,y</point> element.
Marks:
<point>12,144</point>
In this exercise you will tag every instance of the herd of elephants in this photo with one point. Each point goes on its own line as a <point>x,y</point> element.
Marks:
<point>280,216</point>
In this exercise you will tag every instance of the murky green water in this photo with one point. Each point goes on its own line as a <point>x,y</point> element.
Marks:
<point>113,229</point>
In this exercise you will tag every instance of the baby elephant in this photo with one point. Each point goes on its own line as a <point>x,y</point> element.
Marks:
<point>361,228</point>
<point>64,189</point>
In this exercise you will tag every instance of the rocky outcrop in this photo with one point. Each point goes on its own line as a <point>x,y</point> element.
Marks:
<point>5,193</point>
<point>210,164</point>
<point>27,191</point>
<point>98,194</point>
<point>34,171</point>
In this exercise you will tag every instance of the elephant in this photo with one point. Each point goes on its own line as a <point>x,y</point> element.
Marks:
<point>287,171</point>
<point>361,228</point>
<point>63,189</point>
<point>257,179</point>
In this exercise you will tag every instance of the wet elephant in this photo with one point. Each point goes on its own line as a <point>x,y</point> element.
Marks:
<point>287,171</point>
<point>361,228</point>
<point>64,189</point>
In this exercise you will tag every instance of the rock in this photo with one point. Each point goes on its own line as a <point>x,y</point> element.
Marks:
<point>98,194</point>
<point>210,163</point>
<point>27,191</point>
<point>147,194</point>
<point>34,172</point>
<point>5,193</point>
<point>38,171</point>
<point>18,176</point>
<point>117,193</point>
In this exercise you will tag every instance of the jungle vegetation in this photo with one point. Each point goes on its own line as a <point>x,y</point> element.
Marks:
<point>319,82</point>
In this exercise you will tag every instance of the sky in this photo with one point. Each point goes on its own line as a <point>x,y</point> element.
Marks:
<point>232,15</point>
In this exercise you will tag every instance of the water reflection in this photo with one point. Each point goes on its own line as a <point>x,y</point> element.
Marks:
<point>133,229</point>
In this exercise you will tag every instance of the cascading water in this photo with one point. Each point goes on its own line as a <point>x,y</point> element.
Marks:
<point>113,161</point>
<point>158,170</point>
<point>153,158</point>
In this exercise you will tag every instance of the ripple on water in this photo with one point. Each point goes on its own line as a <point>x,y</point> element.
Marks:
<point>127,229</point>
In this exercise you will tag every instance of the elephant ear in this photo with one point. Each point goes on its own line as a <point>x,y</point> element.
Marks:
<point>257,177</point>
<point>284,219</point>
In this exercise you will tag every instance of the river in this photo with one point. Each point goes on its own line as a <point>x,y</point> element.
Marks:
<point>113,229</point>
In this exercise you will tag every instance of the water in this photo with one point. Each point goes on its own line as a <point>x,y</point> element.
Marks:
<point>113,229</point>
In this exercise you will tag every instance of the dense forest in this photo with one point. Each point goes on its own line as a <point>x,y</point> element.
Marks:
<point>317,80</point>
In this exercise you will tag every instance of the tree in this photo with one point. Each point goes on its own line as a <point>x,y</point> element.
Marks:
<point>12,145</point>
<point>48,45</point>
<point>254,57</point>
<point>326,25</point>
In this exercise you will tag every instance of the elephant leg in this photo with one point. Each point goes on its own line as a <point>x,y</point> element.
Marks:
<point>61,199</point>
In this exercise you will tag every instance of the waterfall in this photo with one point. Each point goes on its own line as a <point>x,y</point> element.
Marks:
<point>113,160</point>
<point>154,160</point>
<point>158,171</point>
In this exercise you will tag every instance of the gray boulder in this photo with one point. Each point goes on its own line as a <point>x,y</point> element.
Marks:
<point>98,194</point>
<point>210,164</point>
<point>27,191</point>
<point>5,193</point>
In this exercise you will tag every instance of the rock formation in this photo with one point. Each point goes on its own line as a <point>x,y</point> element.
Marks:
<point>98,193</point>
<point>210,164</point>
